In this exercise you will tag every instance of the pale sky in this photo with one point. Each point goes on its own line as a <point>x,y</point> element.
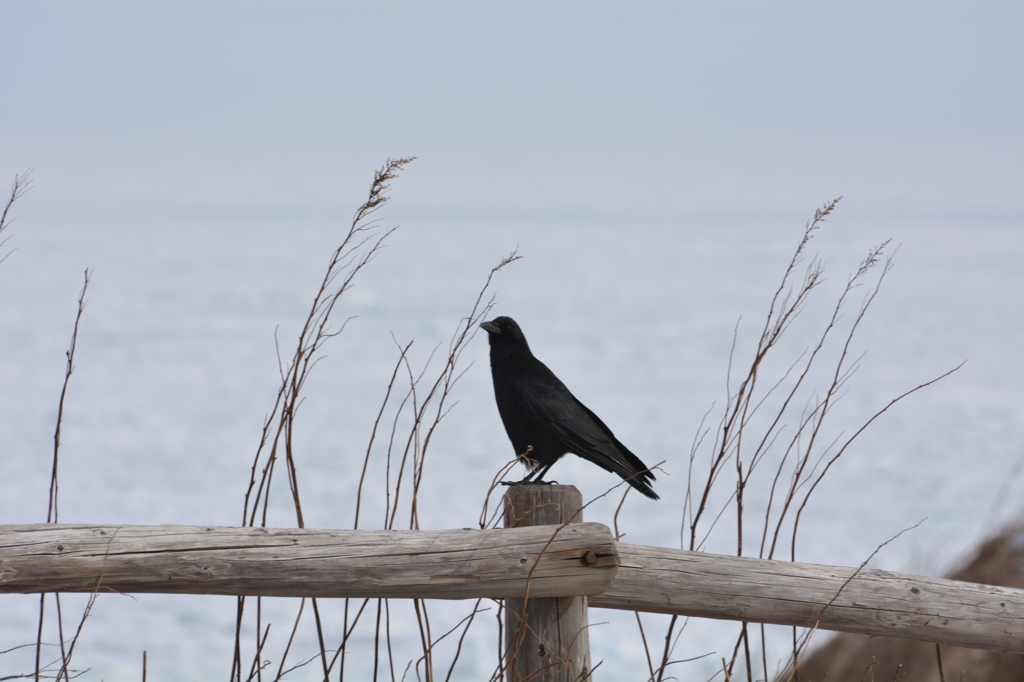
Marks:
<point>911,105</point>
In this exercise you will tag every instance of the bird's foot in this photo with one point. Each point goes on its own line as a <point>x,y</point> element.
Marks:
<point>529,482</point>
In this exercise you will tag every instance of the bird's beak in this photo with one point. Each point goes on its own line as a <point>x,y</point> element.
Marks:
<point>490,327</point>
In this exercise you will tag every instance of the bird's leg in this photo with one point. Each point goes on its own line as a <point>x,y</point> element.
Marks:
<point>535,472</point>
<point>528,478</point>
<point>539,474</point>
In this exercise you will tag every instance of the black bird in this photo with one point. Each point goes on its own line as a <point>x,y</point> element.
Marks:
<point>541,414</point>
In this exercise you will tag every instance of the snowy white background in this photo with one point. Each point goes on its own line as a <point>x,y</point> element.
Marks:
<point>653,162</point>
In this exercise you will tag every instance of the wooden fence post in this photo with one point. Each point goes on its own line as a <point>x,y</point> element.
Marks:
<point>546,638</point>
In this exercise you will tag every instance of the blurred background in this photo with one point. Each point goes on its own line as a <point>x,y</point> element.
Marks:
<point>654,163</point>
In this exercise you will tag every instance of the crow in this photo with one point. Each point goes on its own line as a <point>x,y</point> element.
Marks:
<point>544,420</point>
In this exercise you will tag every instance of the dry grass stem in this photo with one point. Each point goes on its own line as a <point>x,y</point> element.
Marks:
<point>52,506</point>
<point>777,413</point>
<point>22,184</point>
<point>415,403</point>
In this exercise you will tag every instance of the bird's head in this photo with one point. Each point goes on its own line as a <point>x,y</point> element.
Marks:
<point>501,325</point>
<point>504,333</point>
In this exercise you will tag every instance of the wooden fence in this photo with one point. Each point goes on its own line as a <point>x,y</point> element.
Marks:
<point>577,563</point>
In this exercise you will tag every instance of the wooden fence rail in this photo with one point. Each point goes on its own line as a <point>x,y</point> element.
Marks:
<point>580,559</point>
<point>868,601</point>
<point>447,564</point>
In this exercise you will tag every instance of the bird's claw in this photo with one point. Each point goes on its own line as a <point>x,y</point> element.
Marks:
<point>510,483</point>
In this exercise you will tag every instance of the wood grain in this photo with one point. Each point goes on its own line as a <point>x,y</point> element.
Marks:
<point>872,602</point>
<point>449,564</point>
<point>546,638</point>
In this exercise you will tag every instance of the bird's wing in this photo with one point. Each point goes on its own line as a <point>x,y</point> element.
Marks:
<point>547,401</point>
